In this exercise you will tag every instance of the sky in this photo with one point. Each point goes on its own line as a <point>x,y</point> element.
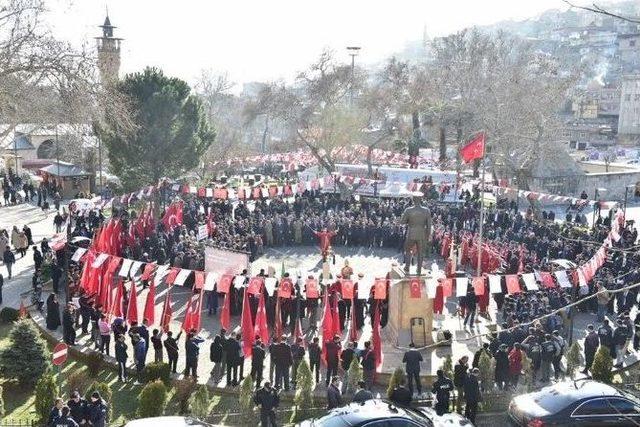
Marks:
<point>265,40</point>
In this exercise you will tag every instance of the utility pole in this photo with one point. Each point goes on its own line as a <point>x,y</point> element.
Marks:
<point>353,52</point>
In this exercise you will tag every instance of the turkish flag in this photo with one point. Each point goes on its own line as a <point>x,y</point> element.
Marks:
<point>261,329</point>
<point>225,313</point>
<point>225,283</point>
<point>353,327</point>
<point>478,285</point>
<point>380,289</point>
<point>167,312</point>
<point>474,148</point>
<point>192,314</point>
<point>415,288</point>
<point>148,269</point>
<point>447,287</point>
<point>375,337</point>
<point>150,305</point>
<point>171,277</point>
<point>327,325</point>
<point>255,285</point>
<point>337,330</point>
<point>199,279</point>
<point>346,287</point>
<point>132,309</point>
<point>246,327</point>
<point>513,283</point>
<point>202,192</point>
<point>547,279</point>
<point>312,288</point>
<point>116,307</point>
<point>257,193</point>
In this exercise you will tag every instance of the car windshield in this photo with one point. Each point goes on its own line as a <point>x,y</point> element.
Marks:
<point>551,401</point>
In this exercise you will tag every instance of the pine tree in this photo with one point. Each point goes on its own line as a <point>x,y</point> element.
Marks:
<point>26,358</point>
<point>574,359</point>
<point>601,369</point>
<point>200,402</point>
<point>395,380</point>
<point>45,395</point>
<point>304,392</point>
<point>355,374</point>
<point>1,403</point>
<point>246,400</point>
<point>487,372</point>
<point>527,372</point>
<point>153,399</point>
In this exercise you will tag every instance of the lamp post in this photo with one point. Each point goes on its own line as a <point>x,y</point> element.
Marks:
<point>353,52</point>
<point>597,194</point>
<point>624,209</point>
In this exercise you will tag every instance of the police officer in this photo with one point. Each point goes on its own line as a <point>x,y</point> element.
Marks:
<point>548,353</point>
<point>442,388</point>
<point>268,399</point>
<point>605,333</point>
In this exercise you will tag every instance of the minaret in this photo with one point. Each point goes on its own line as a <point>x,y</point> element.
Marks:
<point>108,52</point>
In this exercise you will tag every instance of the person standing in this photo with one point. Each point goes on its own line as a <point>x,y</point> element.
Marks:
<point>620,335</point>
<point>346,357</point>
<point>471,303</point>
<point>1,285</point>
<point>268,399</point>
<point>68,325</point>
<point>192,352</point>
<point>53,312</point>
<point>401,395</point>
<point>216,355</point>
<point>332,350</point>
<point>9,259</point>
<point>591,343</point>
<point>602,298</point>
<point>139,355</point>
<point>105,334</point>
<point>283,360</point>
<point>334,396</point>
<point>515,364</point>
<point>368,365</point>
<point>411,360</point>
<point>156,341</point>
<point>459,378</point>
<point>442,388</point>
<point>121,358</point>
<point>501,374</point>
<point>257,362</point>
<point>472,395</point>
<point>297,354</point>
<point>560,344</point>
<point>171,345</point>
<point>232,354</point>
<point>78,407</point>
<point>314,358</point>
<point>605,334</point>
<point>97,411</point>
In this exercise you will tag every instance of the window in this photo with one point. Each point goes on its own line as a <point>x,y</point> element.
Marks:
<point>397,422</point>
<point>593,407</point>
<point>623,406</point>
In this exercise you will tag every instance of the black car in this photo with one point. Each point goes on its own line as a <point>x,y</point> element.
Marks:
<point>575,403</point>
<point>381,413</point>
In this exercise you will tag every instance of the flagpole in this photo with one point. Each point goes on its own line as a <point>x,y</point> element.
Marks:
<point>479,266</point>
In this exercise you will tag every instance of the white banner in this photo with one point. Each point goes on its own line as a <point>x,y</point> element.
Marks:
<point>222,261</point>
<point>203,232</point>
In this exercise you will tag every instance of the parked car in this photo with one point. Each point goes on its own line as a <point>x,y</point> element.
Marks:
<point>382,413</point>
<point>167,421</point>
<point>575,403</point>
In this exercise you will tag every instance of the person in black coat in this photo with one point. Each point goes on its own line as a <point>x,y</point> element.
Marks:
<point>232,356</point>
<point>401,395</point>
<point>171,345</point>
<point>442,388</point>
<point>68,325</point>
<point>65,419</point>
<point>97,411</point>
<point>216,355</point>
<point>334,396</point>
<point>459,378</point>
<point>53,312</point>
<point>472,395</point>
<point>501,375</point>
<point>121,357</point>
<point>77,407</point>
<point>411,360</point>
<point>192,352</point>
<point>268,399</point>
<point>283,360</point>
<point>56,412</point>
<point>257,362</point>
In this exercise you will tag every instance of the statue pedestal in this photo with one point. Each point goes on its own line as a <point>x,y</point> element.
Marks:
<point>410,319</point>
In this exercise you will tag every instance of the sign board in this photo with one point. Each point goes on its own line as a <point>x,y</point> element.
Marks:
<point>203,232</point>
<point>223,261</point>
<point>60,354</point>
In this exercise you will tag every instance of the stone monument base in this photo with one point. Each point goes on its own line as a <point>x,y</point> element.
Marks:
<point>410,319</point>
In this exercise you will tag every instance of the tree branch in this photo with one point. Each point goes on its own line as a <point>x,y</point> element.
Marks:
<point>597,9</point>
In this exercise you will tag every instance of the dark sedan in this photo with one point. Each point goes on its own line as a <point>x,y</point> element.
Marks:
<point>579,403</point>
<point>381,413</point>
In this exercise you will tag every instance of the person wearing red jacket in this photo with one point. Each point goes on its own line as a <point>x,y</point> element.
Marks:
<point>515,364</point>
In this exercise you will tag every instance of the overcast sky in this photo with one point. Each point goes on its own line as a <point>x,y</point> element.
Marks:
<point>271,39</point>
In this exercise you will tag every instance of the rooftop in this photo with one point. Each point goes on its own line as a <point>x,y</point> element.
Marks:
<point>64,169</point>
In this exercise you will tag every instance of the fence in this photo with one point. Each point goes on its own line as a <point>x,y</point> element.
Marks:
<point>18,423</point>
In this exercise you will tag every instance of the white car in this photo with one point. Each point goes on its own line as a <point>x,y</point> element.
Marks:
<point>166,422</point>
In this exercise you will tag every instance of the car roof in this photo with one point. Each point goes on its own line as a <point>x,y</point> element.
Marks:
<point>355,413</point>
<point>163,421</point>
<point>576,390</point>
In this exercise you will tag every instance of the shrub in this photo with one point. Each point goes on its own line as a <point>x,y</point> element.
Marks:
<point>45,396</point>
<point>9,314</point>
<point>199,402</point>
<point>447,366</point>
<point>574,359</point>
<point>355,374</point>
<point>487,372</point>
<point>105,393</point>
<point>183,391</point>
<point>153,399</point>
<point>157,371</point>
<point>527,372</point>
<point>94,362</point>
<point>1,403</point>
<point>602,366</point>
<point>245,399</point>
<point>303,398</point>
<point>78,380</point>
<point>26,358</point>
<point>395,380</point>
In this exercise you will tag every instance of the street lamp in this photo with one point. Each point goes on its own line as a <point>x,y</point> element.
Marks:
<point>597,194</point>
<point>353,52</point>
<point>624,210</point>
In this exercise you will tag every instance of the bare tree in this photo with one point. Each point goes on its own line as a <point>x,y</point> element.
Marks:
<point>597,9</point>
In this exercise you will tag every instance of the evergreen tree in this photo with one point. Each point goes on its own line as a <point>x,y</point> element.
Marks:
<point>487,372</point>
<point>45,396</point>
<point>246,400</point>
<point>355,374</point>
<point>395,380</point>
<point>447,366</point>
<point>153,399</point>
<point>1,402</point>
<point>574,359</point>
<point>200,401</point>
<point>303,398</point>
<point>527,372</point>
<point>171,131</point>
<point>601,369</point>
<point>26,358</point>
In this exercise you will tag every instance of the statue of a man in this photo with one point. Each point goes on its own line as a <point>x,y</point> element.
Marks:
<point>418,220</point>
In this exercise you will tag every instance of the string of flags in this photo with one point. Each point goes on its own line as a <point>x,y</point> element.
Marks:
<point>546,197</point>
